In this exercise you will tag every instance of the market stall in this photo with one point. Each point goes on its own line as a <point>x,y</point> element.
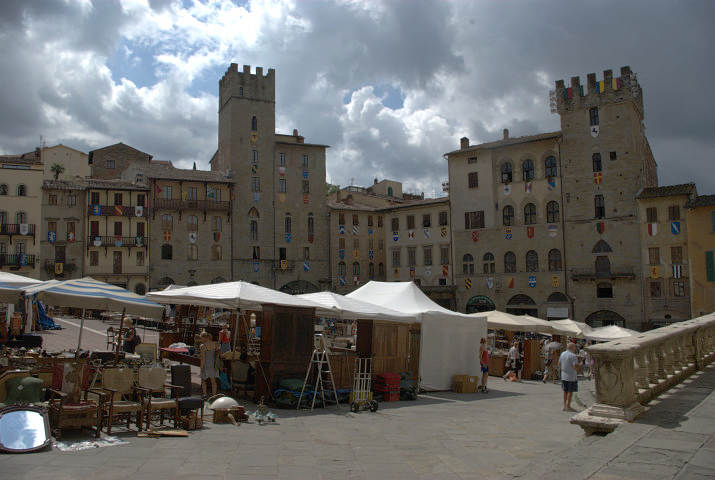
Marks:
<point>610,332</point>
<point>448,341</point>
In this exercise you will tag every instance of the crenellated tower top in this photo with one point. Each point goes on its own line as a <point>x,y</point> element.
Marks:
<point>625,88</point>
<point>247,85</point>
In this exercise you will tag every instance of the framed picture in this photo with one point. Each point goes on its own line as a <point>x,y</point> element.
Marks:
<point>147,351</point>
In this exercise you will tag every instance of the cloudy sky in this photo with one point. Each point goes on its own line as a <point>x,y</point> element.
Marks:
<point>389,85</point>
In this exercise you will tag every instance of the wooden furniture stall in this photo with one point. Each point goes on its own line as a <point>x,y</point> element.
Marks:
<point>532,357</point>
<point>394,346</point>
<point>286,346</point>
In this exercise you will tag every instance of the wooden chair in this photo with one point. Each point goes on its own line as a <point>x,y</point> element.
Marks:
<point>118,385</point>
<point>69,406</point>
<point>240,377</point>
<point>152,381</point>
<point>181,377</point>
<point>111,337</point>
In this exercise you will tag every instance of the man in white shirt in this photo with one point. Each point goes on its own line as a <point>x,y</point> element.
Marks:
<point>569,363</point>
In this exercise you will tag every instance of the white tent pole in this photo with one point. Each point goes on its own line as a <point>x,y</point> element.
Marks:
<point>79,340</point>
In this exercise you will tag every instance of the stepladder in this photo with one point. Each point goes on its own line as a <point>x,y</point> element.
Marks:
<point>319,382</point>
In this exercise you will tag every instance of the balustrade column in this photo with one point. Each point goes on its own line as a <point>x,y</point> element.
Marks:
<point>641,373</point>
<point>616,393</point>
<point>652,364</point>
<point>667,350</point>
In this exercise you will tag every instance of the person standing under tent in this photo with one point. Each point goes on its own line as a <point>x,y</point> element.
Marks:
<point>209,369</point>
<point>570,364</point>
<point>224,339</point>
<point>484,364</point>
<point>513,362</point>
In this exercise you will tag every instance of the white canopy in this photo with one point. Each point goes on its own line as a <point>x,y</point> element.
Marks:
<point>570,328</point>
<point>611,332</point>
<point>229,295</point>
<point>450,340</point>
<point>352,309</point>
<point>95,295</point>
<point>497,320</point>
<point>11,286</point>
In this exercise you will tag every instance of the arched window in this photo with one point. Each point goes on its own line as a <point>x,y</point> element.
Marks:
<point>20,217</point>
<point>597,166</point>
<point>3,188</point>
<point>527,170</point>
<point>341,269</point>
<point>601,247</point>
<point>550,166</point>
<point>532,261</point>
<point>508,215</point>
<point>253,213</point>
<point>554,260</point>
<point>603,265</point>
<point>166,252</point>
<point>356,269</point>
<point>389,191</point>
<point>288,223</point>
<point>557,297</point>
<point>311,226</point>
<point>21,190</point>
<point>193,253</point>
<point>254,124</point>
<point>506,172</point>
<point>552,212</point>
<point>216,253</point>
<point>604,290</point>
<point>371,271</point>
<point>254,230</point>
<point>192,223</point>
<point>468,264</point>
<point>381,270</point>
<point>530,214</point>
<point>488,260</point>
<point>509,262</point>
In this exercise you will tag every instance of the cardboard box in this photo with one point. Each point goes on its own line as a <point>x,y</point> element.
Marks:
<point>465,384</point>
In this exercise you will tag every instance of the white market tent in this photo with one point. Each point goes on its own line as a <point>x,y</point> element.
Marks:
<point>231,295</point>
<point>611,332</point>
<point>570,328</point>
<point>11,286</point>
<point>346,308</point>
<point>450,340</point>
<point>497,320</point>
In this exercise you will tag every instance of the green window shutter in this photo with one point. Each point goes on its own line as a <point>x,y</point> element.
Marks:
<point>710,265</point>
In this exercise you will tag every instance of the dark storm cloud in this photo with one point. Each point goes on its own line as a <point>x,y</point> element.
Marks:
<point>463,69</point>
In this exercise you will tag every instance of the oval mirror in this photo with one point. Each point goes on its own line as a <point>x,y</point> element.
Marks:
<point>23,429</point>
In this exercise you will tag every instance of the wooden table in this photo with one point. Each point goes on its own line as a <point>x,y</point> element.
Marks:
<point>175,356</point>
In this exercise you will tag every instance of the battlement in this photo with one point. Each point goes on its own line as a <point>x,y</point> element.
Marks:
<point>597,92</point>
<point>253,86</point>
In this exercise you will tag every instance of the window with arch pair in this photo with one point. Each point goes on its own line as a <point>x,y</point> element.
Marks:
<point>527,169</point>
<point>552,214</point>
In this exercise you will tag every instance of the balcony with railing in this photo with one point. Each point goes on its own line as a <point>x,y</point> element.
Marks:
<point>200,205</point>
<point>24,229</point>
<point>59,269</point>
<point>283,265</point>
<point>627,273</point>
<point>17,260</point>
<point>115,241</point>
<point>116,211</point>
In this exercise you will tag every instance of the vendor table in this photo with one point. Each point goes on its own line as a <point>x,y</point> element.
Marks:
<point>180,355</point>
<point>496,365</point>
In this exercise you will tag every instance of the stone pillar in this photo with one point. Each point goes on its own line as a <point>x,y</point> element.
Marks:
<point>616,395</point>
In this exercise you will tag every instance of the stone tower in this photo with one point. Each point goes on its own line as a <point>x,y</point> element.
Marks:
<point>606,161</point>
<point>246,139</point>
<point>280,218</point>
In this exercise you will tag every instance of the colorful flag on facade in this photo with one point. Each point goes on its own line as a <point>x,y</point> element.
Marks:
<point>475,236</point>
<point>395,235</point>
<point>597,178</point>
<point>653,272</point>
<point>616,83</point>
<point>157,189</point>
<point>527,187</point>
<point>288,237</point>
<point>551,184</point>
<point>569,92</point>
<point>217,236</point>
<point>139,211</point>
<point>371,254</point>
<point>532,281</point>
<point>555,281</point>
<point>445,270</point>
<point>675,228</point>
<point>356,254</point>
<point>600,227</point>
<point>311,237</point>
<point>490,282</point>
<point>510,283</point>
<point>652,229</point>
<point>284,264</point>
<point>70,237</point>
<point>411,234</point>
<point>467,283</point>
<point>341,229</point>
<point>59,268</point>
<point>256,266</point>
<point>341,280</point>
<point>167,236</point>
<point>341,254</point>
<point>507,189</point>
<point>507,233</point>
<point>96,210</point>
<point>427,233</point>
<point>412,272</point>
<point>530,232</point>
<point>356,229</point>
<point>443,231</point>
<point>305,173</point>
<point>306,266</point>
<point>52,237</point>
<point>118,210</point>
<point>306,198</point>
<point>677,270</point>
<point>553,230</point>
<point>193,237</point>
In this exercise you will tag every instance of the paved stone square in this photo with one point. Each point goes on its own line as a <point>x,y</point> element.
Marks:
<point>516,431</point>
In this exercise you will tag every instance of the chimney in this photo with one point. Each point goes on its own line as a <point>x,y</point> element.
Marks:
<point>506,133</point>
<point>295,132</point>
<point>375,182</point>
<point>464,142</point>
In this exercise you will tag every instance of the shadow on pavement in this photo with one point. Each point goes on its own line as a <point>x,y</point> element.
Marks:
<point>671,408</point>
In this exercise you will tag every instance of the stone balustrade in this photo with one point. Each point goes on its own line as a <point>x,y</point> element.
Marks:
<point>632,371</point>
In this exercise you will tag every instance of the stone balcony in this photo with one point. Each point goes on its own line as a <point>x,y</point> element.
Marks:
<point>631,372</point>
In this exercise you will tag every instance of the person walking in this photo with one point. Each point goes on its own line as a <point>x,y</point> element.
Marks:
<point>209,369</point>
<point>484,363</point>
<point>569,363</point>
<point>513,362</point>
<point>550,369</point>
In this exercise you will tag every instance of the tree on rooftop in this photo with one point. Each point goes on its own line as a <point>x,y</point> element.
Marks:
<point>58,169</point>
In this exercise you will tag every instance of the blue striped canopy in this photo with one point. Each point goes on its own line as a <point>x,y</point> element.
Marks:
<point>94,295</point>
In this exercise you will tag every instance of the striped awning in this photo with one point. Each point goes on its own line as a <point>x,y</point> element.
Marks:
<point>92,294</point>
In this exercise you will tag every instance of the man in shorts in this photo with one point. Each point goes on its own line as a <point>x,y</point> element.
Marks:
<point>569,363</point>
<point>484,364</point>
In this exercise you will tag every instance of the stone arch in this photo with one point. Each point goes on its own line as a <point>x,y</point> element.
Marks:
<point>298,287</point>
<point>602,318</point>
<point>601,246</point>
<point>557,297</point>
<point>253,212</point>
<point>521,304</point>
<point>480,303</point>
<point>218,280</point>
<point>521,299</point>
